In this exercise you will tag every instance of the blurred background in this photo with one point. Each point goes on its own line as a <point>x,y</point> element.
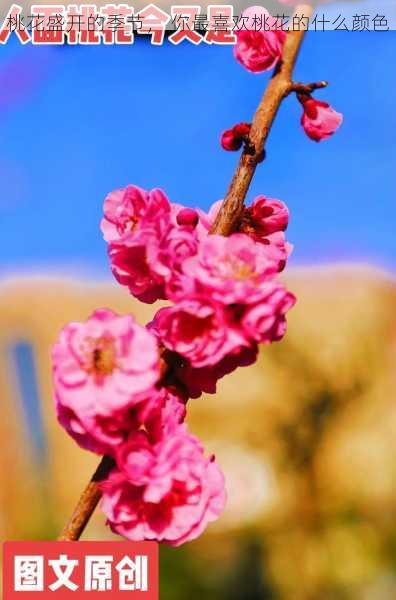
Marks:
<point>306,436</point>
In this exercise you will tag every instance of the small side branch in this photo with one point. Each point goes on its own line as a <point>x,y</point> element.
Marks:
<point>307,88</point>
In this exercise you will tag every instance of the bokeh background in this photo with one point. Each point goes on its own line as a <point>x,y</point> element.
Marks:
<point>307,435</point>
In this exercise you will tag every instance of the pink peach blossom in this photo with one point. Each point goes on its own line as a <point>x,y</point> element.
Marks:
<point>132,210</point>
<point>131,267</point>
<point>277,248</point>
<point>231,269</point>
<point>91,430</point>
<point>149,238</point>
<point>266,216</point>
<point>148,269</point>
<point>319,119</point>
<point>259,51</point>
<point>264,222</point>
<point>167,492</point>
<point>163,413</point>
<point>100,369</point>
<point>265,321</point>
<point>168,255</point>
<point>258,48</point>
<point>134,223</point>
<point>197,330</point>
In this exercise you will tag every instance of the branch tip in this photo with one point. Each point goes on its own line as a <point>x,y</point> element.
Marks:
<point>307,88</point>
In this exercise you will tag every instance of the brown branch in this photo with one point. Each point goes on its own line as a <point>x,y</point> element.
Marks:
<point>279,87</point>
<point>87,503</point>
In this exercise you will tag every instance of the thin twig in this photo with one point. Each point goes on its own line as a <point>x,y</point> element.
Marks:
<point>307,88</point>
<point>279,87</point>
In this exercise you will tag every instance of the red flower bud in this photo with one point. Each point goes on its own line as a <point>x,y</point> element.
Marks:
<point>187,216</point>
<point>232,139</point>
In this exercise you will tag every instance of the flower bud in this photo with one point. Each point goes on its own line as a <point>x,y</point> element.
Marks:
<point>319,119</point>
<point>232,139</point>
<point>187,216</point>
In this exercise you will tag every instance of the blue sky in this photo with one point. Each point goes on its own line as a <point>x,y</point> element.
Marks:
<point>78,122</point>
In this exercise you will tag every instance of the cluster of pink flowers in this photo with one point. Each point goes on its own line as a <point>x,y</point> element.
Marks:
<point>224,292</point>
<point>259,48</point>
<point>111,393</point>
<point>109,399</point>
<point>121,389</point>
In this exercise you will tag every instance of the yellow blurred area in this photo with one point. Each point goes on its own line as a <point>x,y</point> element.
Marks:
<point>306,438</point>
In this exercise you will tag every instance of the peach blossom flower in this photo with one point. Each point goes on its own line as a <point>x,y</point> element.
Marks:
<point>167,492</point>
<point>319,119</point>
<point>101,368</point>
